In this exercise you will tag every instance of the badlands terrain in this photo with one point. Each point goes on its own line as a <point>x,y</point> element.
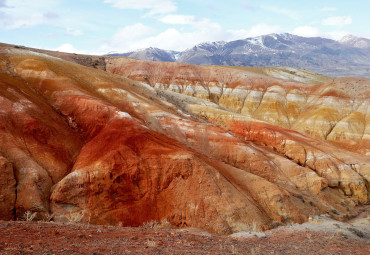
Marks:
<point>117,141</point>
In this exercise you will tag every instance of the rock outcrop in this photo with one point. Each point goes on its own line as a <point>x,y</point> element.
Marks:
<point>207,147</point>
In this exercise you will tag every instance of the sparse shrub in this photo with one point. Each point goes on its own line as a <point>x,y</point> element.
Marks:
<point>276,224</point>
<point>340,233</point>
<point>48,217</point>
<point>334,212</point>
<point>75,216</point>
<point>300,197</point>
<point>29,216</point>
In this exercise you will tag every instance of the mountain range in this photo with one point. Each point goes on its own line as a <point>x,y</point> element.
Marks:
<point>349,56</point>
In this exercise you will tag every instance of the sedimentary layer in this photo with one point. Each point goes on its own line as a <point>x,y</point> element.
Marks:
<point>199,146</point>
<point>336,111</point>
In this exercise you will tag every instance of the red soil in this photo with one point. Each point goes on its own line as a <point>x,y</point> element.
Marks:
<point>59,238</point>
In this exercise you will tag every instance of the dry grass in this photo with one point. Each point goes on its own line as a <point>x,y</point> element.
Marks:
<point>254,227</point>
<point>234,250</point>
<point>29,216</point>
<point>75,216</point>
<point>164,224</point>
<point>150,224</point>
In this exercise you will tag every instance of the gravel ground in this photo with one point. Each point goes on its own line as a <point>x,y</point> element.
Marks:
<point>321,236</point>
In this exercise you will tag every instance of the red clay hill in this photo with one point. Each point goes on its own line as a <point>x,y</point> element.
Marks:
<point>217,148</point>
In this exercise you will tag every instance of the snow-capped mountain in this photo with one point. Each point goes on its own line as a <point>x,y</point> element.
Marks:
<point>349,56</point>
<point>355,41</point>
<point>152,54</point>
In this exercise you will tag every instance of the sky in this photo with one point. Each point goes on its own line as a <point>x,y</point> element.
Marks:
<point>103,26</point>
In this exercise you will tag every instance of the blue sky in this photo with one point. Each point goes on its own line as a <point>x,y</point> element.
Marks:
<point>102,26</point>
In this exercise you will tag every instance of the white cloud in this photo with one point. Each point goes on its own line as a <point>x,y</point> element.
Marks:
<point>175,19</point>
<point>337,21</point>
<point>66,47</point>
<point>132,33</point>
<point>74,32</point>
<point>328,9</point>
<point>259,29</point>
<point>286,12</point>
<point>127,38</point>
<point>140,36</point>
<point>262,29</point>
<point>25,14</point>
<point>155,6</point>
<point>336,35</point>
<point>214,32</point>
<point>169,39</point>
<point>306,31</point>
<point>25,22</point>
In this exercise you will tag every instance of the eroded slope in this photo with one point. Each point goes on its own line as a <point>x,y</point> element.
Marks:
<point>336,111</point>
<point>81,140</point>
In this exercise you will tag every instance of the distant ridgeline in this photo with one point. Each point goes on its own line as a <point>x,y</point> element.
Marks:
<point>349,56</point>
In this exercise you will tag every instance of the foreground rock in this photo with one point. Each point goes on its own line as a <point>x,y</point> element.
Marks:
<point>87,145</point>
